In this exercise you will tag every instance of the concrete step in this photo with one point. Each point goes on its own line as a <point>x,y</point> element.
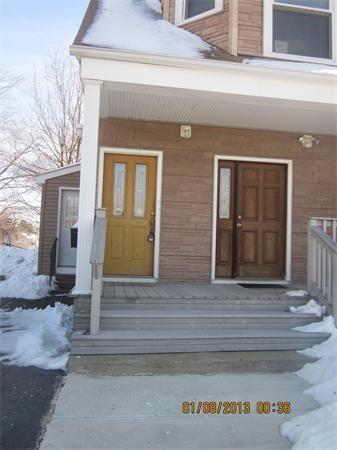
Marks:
<point>192,340</point>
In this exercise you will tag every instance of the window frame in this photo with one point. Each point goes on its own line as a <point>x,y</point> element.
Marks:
<point>180,8</point>
<point>268,6</point>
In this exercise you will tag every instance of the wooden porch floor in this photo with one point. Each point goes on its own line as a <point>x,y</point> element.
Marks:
<point>189,291</point>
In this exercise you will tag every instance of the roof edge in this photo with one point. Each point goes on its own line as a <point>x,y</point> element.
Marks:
<point>59,172</point>
<point>87,21</point>
<point>83,51</point>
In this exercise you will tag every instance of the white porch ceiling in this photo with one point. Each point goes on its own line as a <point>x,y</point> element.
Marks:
<point>155,104</point>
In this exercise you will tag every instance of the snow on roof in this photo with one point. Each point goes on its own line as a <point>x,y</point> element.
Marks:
<point>292,65</point>
<point>137,25</point>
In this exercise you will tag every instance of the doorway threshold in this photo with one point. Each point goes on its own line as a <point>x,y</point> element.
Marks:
<point>115,279</point>
<point>250,281</point>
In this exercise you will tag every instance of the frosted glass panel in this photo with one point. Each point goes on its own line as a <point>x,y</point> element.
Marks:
<point>140,190</point>
<point>224,194</point>
<point>71,210</point>
<point>119,190</point>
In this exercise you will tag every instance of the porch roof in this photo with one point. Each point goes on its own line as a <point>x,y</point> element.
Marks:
<point>205,92</point>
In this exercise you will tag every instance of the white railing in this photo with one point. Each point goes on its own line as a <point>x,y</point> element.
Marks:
<point>97,260</point>
<point>322,260</point>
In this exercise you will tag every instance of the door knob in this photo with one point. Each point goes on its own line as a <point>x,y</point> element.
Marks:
<point>239,225</point>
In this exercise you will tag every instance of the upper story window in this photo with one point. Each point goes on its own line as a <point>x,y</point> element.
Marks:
<point>189,10</point>
<point>302,30</point>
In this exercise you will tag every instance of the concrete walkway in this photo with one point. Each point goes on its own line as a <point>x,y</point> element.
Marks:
<point>144,412</point>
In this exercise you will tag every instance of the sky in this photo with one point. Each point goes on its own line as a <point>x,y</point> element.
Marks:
<point>30,30</point>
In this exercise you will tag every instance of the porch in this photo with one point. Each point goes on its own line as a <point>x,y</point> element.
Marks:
<point>135,104</point>
<point>181,317</point>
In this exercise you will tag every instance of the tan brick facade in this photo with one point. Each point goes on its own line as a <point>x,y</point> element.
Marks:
<point>213,29</point>
<point>250,27</point>
<point>186,235</point>
<point>216,28</point>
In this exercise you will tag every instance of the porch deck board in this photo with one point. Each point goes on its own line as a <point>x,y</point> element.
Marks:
<point>189,291</point>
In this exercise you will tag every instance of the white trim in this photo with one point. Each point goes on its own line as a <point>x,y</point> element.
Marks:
<point>289,164</point>
<point>268,32</point>
<point>108,279</point>
<point>113,55</point>
<point>60,172</point>
<point>88,182</point>
<point>180,8</point>
<point>66,270</point>
<point>61,189</point>
<point>128,151</point>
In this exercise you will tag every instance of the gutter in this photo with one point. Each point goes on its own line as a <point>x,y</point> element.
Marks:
<point>81,51</point>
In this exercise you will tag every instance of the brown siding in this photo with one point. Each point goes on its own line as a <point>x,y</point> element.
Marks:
<point>250,27</point>
<point>49,212</point>
<point>213,29</point>
<point>186,234</point>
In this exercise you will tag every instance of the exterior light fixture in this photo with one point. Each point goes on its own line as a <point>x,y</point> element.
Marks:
<point>307,140</point>
<point>185,131</point>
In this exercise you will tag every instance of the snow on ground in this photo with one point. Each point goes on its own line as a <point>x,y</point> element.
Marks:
<point>292,65</point>
<point>298,293</point>
<point>317,429</point>
<point>137,27</point>
<point>36,337</point>
<point>19,267</point>
<point>309,308</point>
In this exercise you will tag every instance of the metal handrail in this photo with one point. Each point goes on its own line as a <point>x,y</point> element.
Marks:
<point>52,265</point>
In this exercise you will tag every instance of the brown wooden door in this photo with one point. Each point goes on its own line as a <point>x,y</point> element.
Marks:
<point>129,194</point>
<point>257,219</point>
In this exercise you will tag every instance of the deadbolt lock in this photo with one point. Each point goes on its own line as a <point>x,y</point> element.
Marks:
<point>239,217</point>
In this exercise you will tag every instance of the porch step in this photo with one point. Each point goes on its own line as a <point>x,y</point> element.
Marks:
<point>240,338</point>
<point>122,319</point>
<point>274,303</point>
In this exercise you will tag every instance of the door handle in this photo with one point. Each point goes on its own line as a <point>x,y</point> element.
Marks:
<point>239,225</point>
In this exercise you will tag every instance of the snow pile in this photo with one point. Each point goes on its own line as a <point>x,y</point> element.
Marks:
<point>299,293</point>
<point>136,26</point>
<point>309,308</point>
<point>19,267</point>
<point>36,337</point>
<point>317,429</point>
<point>290,65</point>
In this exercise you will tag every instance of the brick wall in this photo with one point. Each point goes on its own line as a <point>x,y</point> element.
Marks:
<point>250,27</point>
<point>185,252</point>
<point>215,28</point>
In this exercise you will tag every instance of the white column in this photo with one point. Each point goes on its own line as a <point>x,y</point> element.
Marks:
<point>89,157</point>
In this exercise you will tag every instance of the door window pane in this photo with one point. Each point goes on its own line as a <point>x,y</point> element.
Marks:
<point>71,209</point>
<point>301,34</point>
<point>140,190</point>
<point>224,193</point>
<point>195,7</point>
<point>119,190</point>
<point>323,4</point>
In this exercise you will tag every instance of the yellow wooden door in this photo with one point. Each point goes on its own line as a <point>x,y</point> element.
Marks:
<point>129,194</point>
